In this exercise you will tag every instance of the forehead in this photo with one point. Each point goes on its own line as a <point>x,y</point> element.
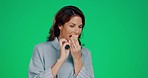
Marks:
<point>75,20</point>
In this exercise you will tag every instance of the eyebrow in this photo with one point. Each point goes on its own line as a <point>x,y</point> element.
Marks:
<point>75,24</point>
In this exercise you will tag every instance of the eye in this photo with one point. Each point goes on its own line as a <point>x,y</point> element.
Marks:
<point>71,25</point>
<point>80,26</point>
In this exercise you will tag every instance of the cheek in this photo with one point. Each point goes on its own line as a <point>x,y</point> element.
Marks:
<point>80,30</point>
<point>69,30</point>
<point>66,33</point>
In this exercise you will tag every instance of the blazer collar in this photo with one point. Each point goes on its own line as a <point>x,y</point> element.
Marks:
<point>55,43</point>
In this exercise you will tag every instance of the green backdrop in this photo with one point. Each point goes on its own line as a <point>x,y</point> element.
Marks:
<point>116,32</point>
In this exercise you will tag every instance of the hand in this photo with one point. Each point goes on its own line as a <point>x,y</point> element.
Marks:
<point>75,48</point>
<point>63,52</point>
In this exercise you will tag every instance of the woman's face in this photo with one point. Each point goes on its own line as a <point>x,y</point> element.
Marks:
<point>72,27</point>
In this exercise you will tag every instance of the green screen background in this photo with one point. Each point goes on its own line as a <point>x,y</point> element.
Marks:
<point>116,32</point>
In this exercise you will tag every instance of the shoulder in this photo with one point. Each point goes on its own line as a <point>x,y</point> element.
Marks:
<point>42,45</point>
<point>85,51</point>
<point>86,55</point>
<point>42,48</point>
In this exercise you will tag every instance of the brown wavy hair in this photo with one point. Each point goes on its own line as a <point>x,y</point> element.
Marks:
<point>64,15</point>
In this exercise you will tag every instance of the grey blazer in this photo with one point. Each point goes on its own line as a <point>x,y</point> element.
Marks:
<point>45,56</point>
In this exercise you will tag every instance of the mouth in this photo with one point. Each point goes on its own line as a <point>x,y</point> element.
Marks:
<point>74,35</point>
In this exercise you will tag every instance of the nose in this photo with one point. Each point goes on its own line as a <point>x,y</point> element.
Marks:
<point>77,30</point>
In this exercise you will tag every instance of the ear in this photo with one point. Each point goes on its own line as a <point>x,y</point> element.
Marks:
<point>60,27</point>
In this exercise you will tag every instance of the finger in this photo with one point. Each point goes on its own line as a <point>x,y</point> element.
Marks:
<point>62,41</point>
<point>72,48</point>
<point>77,43</point>
<point>76,46</point>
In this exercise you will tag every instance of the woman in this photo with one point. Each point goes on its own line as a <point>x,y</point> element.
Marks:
<point>62,56</point>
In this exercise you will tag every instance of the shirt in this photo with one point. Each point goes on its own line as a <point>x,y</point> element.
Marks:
<point>46,54</point>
